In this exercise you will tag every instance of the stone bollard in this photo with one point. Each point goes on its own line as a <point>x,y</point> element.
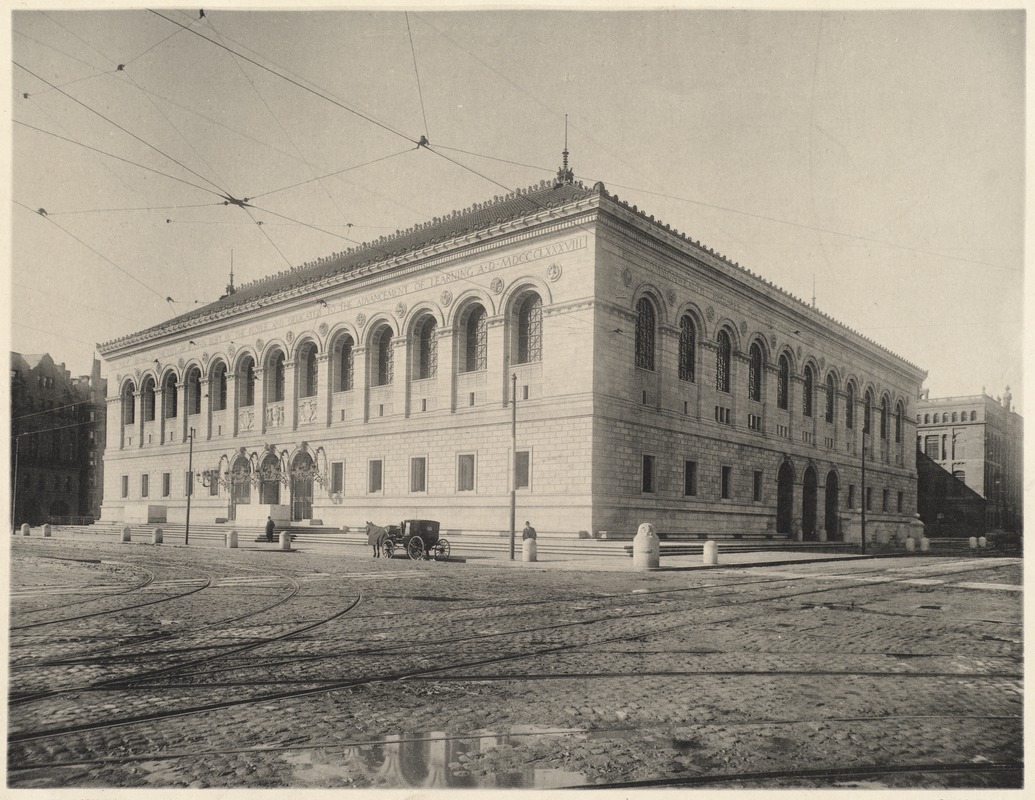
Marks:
<point>982,541</point>
<point>711,553</point>
<point>646,548</point>
<point>127,534</point>
<point>925,544</point>
<point>285,540</point>
<point>528,550</point>
<point>910,544</point>
<point>156,536</point>
<point>973,543</point>
<point>25,529</point>
<point>46,533</point>
<point>231,539</point>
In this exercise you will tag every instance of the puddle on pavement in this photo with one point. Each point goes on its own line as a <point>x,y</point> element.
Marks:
<point>428,760</point>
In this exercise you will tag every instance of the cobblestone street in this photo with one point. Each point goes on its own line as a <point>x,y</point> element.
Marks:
<point>140,666</point>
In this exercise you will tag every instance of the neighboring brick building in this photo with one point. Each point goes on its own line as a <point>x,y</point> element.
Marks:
<point>57,441</point>
<point>979,441</point>
<point>656,381</point>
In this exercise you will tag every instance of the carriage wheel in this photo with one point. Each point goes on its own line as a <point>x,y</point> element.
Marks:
<point>388,549</point>
<point>441,550</point>
<point>415,548</point>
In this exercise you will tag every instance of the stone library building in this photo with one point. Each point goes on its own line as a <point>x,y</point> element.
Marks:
<point>652,380</point>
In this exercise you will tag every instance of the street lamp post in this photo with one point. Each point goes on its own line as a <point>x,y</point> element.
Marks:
<point>862,532</point>
<point>190,485</point>
<point>513,459</point>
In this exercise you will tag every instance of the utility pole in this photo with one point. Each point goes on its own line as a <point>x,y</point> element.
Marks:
<point>190,485</point>
<point>14,490</point>
<point>862,537</point>
<point>513,460</point>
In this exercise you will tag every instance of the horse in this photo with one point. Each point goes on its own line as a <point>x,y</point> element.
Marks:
<point>376,537</point>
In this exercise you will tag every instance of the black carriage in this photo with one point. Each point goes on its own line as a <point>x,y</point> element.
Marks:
<point>418,538</point>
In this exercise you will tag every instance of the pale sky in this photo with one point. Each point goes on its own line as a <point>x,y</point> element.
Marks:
<point>875,155</point>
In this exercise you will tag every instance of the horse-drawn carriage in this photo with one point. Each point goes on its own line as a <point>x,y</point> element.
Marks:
<point>418,538</point>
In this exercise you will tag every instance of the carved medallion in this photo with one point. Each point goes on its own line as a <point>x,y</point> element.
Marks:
<point>822,363</point>
<point>180,363</point>
<point>772,341</point>
<point>710,313</point>
<point>627,276</point>
<point>231,350</point>
<point>290,337</point>
<point>258,345</point>
<point>204,358</point>
<point>743,328</point>
<point>400,309</point>
<point>361,319</point>
<point>670,295</point>
<point>446,297</point>
<point>798,351</point>
<point>323,329</point>
<point>553,272</point>
<point>496,285</point>
<point>137,375</point>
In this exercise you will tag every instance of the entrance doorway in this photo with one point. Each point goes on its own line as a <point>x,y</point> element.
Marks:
<point>831,520</point>
<point>784,497</point>
<point>240,487</point>
<point>302,487</point>
<point>808,504</point>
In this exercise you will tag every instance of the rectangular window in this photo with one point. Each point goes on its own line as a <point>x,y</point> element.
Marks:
<point>465,473</point>
<point>213,484</point>
<point>166,484</point>
<point>144,484</point>
<point>419,474</point>
<point>727,483</point>
<point>374,478</point>
<point>899,504</point>
<point>690,478</point>
<point>648,475</point>
<point>125,486</point>
<point>523,470</point>
<point>756,491</point>
<point>337,477</point>
<point>884,500</point>
<point>869,498</point>
<point>931,447</point>
<point>851,495</point>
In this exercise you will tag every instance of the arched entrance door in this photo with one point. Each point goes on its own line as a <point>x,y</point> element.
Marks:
<point>302,487</point>
<point>808,504</point>
<point>269,487</point>
<point>240,487</point>
<point>831,520</point>
<point>784,497</point>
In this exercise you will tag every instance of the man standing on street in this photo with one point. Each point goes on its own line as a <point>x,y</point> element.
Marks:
<point>528,532</point>
<point>270,525</point>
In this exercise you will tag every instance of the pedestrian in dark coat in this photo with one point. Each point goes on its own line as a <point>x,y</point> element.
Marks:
<point>270,525</point>
<point>528,532</point>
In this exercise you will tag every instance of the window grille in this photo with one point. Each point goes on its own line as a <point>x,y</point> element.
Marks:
<point>830,398</point>
<point>277,393</point>
<point>128,406</point>
<point>427,346</point>
<point>530,330</point>
<point>722,362</point>
<point>850,407</point>
<point>807,393</point>
<point>755,373</point>
<point>385,357</point>
<point>645,334</point>
<point>345,366</point>
<point>170,396</point>
<point>310,366</point>
<point>866,414</point>
<point>783,376</point>
<point>687,348</point>
<point>476,344</point>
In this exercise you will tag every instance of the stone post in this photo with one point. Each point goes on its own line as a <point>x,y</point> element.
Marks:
<point>528,550</point>
<point>25,529</point>
<point>46,534</point>
<point>646,548</point>
<point>127,534</point>
<point>925,544</point>
<point>231,539</point>
<point>156,536</point>
<point>973,543</point>
<point>711,553</point>
<point>910,544</point>
<point>982,541</point>
<point>285,540</point>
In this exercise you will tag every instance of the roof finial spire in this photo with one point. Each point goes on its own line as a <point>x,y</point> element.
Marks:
<point>564,174</point>
<point>230,286</point>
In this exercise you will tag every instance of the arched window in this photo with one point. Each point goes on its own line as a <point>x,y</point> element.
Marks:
<point>427,348</point>
<point>128,405</point>
<point>645,320</point>
<point>808,391</point>
<point>783,378</point>
<point>217,385</point>
<point>722,362</point>
<point>307,383</point>
<point>246,381</point>
<point>884,418</point>
<point>850,406</point>
<point>345,365</point>
<point>475,338</point>
<point>867,407</point>
<point>530,330</point>
<point>170,400</point>
<point>953,416</point>
<point>194,391</point>
<point>687,348</point>
<point>973,416</point>
<point>385,367</point>
<point>927,419</point>
<point>898,423</point>
<point>755,372</point>
<point>147,399</point>
<point>275,377</point>
<point>830,397</point>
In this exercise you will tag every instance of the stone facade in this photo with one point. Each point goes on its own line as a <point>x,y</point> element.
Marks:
<point>383,377</point>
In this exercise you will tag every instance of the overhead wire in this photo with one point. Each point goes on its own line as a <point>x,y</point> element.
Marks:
<point>332,174</point>
<point>416,72</point>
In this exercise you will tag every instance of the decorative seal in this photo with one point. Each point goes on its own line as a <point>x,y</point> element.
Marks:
<point>290,337</point>
<point>627,276</point>
<point>670,295</point>
<point>496,285</point>
<point>710,313</point>
<point>772,341</point>
<point>799,352</point>
<point>323,329</point>
<point>258,345</point>
<point>553,272</point>
<point>204,358</point>
<point>180,363</point>
<point>822,363</point>
<point>400,309</point>
<point>743,328</point>
<point>446,297</point>
<point>231,350</point>
<point>361,319</point>
<point>137,374</point>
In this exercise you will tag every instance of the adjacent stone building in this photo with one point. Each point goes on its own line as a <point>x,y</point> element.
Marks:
<point>57,441</point>
<point>978,440</point>
<point>655,380</point>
